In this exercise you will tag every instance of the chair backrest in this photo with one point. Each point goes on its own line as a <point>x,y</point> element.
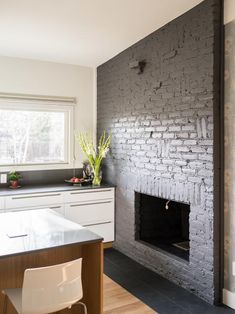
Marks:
<point>53,288</point>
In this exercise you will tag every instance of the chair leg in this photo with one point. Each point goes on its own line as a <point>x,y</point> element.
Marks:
<point>5,304</point>
<point>83,305</point>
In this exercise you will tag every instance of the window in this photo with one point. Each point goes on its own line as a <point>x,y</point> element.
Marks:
<point>35,133</point>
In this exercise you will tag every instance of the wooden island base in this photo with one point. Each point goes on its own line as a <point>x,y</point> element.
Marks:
<point>12,270</point>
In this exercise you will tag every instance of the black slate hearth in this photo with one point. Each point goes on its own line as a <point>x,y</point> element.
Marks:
<point>160,294</point>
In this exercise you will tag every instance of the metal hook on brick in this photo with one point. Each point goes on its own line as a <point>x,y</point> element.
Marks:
<point>166,206</point>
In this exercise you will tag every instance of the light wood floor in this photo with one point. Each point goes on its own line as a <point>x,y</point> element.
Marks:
<point>119,301</point>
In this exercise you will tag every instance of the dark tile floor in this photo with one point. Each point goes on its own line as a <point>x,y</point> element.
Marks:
<point>160,294</point>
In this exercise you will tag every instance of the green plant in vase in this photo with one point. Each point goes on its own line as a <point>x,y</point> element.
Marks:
<point>94,156</point>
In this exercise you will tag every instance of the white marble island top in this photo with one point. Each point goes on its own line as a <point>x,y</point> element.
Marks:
<point>34,230</point>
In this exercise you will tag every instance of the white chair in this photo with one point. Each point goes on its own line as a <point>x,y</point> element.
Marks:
<point>48,289</point>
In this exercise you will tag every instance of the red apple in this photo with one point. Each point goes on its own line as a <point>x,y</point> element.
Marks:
<point>76,180</point>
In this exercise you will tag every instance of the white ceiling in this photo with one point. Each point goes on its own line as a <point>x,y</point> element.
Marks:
<point>84,32</point>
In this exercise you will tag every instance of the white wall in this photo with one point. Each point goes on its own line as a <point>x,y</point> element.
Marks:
<point>229,11</point>
<point>55,79</point>
<point>229,177</point>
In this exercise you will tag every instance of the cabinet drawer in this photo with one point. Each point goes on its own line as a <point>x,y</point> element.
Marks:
<point>89,195</point>
<point>106,230</point>
<point>2,203</point>
<point>33,200</point>
<point>57,208</point>
<point>90,212</point>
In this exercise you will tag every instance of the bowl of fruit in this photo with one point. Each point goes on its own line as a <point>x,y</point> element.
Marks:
<point>74,181</point>
<point>79,181</point>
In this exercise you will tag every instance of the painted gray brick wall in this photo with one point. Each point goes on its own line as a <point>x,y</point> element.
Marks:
<point>162,126</point>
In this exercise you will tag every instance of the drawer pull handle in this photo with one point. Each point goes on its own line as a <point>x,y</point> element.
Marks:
<point>55,207</point>
<point>85,192</point>
<point>84,204</point>
<point>96,224</point>
<point>35,196</point>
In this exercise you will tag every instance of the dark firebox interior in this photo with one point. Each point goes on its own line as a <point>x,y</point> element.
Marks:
<point>163,224</point>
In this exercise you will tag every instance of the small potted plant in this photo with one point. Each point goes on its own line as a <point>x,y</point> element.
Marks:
<point>14,177</point>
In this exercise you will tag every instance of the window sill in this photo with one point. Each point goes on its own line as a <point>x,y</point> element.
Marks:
<point>8,168</point>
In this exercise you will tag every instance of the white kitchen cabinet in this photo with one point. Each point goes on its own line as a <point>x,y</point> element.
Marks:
<point>90,212</point>
<point>105,230</point>
<point>59,208</point>
<point>92,208</point>
<point>2,203</point>
<point>33,200</point>
<point>89,195</point>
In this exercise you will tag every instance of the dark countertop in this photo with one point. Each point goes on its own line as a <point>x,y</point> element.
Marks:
<point>49,188</point>
<point>44,228</point>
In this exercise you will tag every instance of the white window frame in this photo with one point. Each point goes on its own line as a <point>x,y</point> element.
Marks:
<point>49,105</point>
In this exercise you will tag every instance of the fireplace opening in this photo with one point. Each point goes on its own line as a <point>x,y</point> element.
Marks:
<point>163,224</point>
